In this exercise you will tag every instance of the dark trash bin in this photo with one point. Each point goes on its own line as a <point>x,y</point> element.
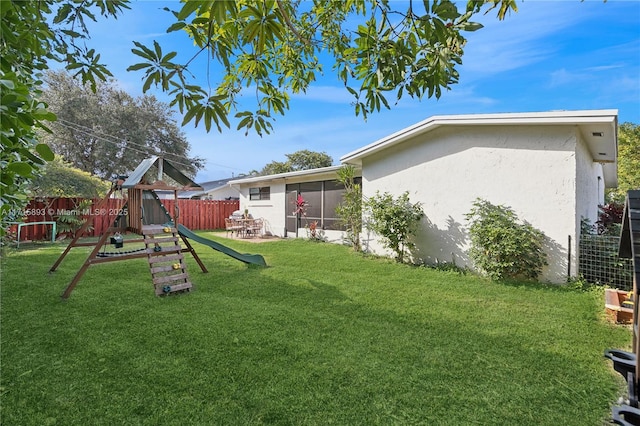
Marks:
<point>626,415</point>
<point>623,362</point>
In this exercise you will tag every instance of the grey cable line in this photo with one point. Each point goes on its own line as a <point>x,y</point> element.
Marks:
<point>114,140</point>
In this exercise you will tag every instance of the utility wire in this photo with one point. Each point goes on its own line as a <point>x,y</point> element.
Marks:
<point>114,140</point>
<point>96,136</point>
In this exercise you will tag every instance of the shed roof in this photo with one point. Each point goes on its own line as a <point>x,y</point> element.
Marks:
<point>206,188</point>
<point>168,169</point>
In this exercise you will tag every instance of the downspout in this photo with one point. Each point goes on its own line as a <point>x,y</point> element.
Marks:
<point>569,258</point>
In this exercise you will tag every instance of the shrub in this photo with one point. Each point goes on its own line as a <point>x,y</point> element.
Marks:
<point>70,222</point>
<point>350,209</point>
<point>395,220</point>
<point>449,267</point>
<point>502,246</point>
<point>610,219</point>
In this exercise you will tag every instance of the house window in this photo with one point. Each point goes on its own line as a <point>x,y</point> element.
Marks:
<point>261,193</point>
<point>321,198</point>
<point>333,196</point>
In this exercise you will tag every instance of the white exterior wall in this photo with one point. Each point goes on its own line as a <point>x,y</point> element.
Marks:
<point>590,187</point>
<point>272,210</point>
<point>529,169</point>
<point>221,193</point>
<point>589,184</point>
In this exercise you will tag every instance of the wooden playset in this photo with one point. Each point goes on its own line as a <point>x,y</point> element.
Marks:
<point>143,214</point>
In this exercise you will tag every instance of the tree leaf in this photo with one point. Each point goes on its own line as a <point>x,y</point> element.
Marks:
<point>45,152</point>
<point>187,9</point>
<point>176,27</point>
<point>139,66</point>
<point>20,168</point>
<point>472,26</point>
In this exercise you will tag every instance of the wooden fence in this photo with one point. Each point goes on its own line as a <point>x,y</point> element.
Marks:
<point>194,214</point>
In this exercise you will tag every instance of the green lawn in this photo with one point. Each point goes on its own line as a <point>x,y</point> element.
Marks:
<point>322,336</point>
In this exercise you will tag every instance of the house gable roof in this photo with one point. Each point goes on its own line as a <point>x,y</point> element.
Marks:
<point>599,129</point>
<point>207,187</point>
<point>319,173</point>
<point>215,184</point>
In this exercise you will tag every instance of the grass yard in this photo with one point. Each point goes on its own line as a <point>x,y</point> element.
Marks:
<point>322,336</point>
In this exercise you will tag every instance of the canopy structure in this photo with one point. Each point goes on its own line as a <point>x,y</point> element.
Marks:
<point>164,168</point>
<point>144,207</point>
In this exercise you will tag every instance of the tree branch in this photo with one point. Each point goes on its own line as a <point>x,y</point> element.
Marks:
<point>287,21</point>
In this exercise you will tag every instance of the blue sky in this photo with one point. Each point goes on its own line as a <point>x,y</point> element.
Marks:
<point>551,55</point>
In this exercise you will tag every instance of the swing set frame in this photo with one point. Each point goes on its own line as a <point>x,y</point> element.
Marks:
<point>134,212</point>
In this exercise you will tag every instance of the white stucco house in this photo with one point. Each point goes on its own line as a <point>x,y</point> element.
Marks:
<point>551,168</point>
<point>273,198</point>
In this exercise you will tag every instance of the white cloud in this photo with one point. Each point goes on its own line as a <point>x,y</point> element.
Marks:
<point>562,77</point>
<point>530,36</point>
<point>605,68</point>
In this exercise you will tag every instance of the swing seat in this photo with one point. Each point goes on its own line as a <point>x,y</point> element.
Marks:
<point>117,241</point>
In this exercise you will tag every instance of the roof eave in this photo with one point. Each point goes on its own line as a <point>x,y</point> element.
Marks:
<point>286,176</point>
<point>537,118</point>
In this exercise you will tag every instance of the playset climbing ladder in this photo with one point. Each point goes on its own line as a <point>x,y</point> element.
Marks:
<point>165,258</point>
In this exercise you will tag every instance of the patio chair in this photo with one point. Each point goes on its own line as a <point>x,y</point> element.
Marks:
<point>232,226</point>
<point>254,227</point>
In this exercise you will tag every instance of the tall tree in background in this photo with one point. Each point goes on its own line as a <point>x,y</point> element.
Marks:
<point>628,162</point>
<point>107,131</point>
<point>299,160</point>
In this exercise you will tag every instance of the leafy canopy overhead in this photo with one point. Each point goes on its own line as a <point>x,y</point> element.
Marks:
<point>268,50</point>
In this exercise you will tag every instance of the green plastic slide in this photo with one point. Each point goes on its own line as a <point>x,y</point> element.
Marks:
<point>254,259</point>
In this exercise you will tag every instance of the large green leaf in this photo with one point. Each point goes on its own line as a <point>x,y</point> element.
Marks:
<point>45,152</point>
<point>20,168</point>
